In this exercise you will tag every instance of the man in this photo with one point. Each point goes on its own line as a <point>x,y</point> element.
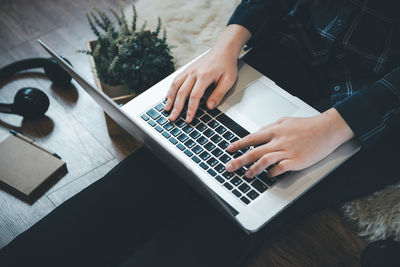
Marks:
<point>138,215</point>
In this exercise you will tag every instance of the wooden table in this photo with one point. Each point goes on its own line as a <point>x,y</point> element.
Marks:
<point>74,127</point>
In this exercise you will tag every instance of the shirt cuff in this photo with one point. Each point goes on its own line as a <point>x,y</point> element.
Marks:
<point>372,111</point>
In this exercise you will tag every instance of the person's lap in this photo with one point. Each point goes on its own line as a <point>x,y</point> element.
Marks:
<point>140,215</point>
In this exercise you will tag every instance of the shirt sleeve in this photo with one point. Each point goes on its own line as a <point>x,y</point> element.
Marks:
<point>254,16</point>
<point>372,111</point>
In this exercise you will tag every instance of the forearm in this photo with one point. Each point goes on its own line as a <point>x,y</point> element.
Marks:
<point>232,40</point>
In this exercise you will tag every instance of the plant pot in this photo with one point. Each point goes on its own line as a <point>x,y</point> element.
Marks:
<point>117,93</point>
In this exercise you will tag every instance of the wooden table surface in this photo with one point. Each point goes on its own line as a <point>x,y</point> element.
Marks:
<point>74,127</point>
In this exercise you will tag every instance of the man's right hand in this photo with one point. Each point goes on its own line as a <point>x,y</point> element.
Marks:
<point>218,66</point>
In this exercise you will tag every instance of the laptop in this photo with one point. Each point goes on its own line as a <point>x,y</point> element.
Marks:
<point>197,151</point>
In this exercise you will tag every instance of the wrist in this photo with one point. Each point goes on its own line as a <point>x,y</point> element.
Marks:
<point>338,127</point>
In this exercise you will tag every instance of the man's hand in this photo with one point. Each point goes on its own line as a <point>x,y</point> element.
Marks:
<point>218,66</point>
<point>291,143</point>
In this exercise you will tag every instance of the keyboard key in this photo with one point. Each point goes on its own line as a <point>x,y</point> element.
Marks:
<point>165,101</point>
<point>237,154</point>
<point>208,132</point>
<point>252,194</point>
<point>180,123</point>
<point>212,162</point>
<point>166,134</point>
<point>220,168</point>
<point>228,175</point>
<point>188,153</point>
<point>145,117</point>
<point>162,120</point>
<point>175,132</point>
<point>205,155</point>
<point>202,140</point>
<point>187,129</point>
<point>180,146</point>
<point>212,172</point>
<point>213,112</point>
<point>249,180</point>
<point>236,192</point>
<point>204,166</point>
<point>223,144</point>
<point>209,146</point>
<point>216,138</point>
<point>165,113</point>
<point>225,158</point>
<point>266,179</point>
<point>183,137</point>
<point>194,122</point>
<point>153,114</point>
<point>244,188</point>
<point>159,107</point>
<point>213,124</point>
<point>228,186</point>
<point>219,179</point>
<point>236,181</point>
<point>197,149</point>
<point>151,123</point>
<point>244,150</point>
<point>228,135</point>
<point>234,139</point>
<point>196,159</point>
<point>220,129</point>
<point>199,112</point>
<point>189,143</point>
<point>217,152</point>
<point>201,127</point>
<point>232,125</point>
<point>205,118</point>
<point>194,134</point>
<point>245,200</point>
<point>173,140</point>
<point>259,186</point>
<point>168,126</point>
<point>159,129</point>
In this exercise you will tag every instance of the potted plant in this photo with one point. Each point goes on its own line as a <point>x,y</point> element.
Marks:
<point>126,61</point>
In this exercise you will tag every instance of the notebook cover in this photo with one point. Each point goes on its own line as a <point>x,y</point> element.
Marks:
<point>25,169</point>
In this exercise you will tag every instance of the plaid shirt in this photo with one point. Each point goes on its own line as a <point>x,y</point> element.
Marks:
<point>359,41</point>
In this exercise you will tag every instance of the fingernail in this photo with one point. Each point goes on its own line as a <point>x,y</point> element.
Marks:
<point>248,174</point>
<point>229,167</point>
<point>172,115</point>
<point>230,146</point>
<point>211,104</point>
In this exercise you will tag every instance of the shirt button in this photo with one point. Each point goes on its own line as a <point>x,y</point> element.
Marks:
<point>339,22</point>
<point>336,88</point>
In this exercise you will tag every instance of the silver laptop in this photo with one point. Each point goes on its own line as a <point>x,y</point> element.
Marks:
<point>197,151</point>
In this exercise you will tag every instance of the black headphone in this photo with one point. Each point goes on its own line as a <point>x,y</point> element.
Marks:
<point>31,102</point>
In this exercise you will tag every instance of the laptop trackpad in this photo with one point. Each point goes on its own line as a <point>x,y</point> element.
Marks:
<point>260,104</point>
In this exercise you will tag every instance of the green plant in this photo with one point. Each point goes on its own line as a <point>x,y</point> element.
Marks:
<point>124,55</point>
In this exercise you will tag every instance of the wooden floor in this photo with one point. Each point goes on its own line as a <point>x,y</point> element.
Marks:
<point>74,127</point>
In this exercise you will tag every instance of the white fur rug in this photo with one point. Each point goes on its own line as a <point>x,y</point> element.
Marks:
<point>192,26</point>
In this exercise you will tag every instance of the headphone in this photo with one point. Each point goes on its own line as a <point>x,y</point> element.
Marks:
<point>31,102</point>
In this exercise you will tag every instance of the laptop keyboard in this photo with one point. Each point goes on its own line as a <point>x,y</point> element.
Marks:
<point>205,140</point>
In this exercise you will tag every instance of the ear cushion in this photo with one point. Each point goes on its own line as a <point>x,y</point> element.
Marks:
<point>52,70</point>
<point>30,102</point>
<point>55,73</point>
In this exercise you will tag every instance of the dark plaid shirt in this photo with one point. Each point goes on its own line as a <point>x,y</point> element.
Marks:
<point>359,42</point>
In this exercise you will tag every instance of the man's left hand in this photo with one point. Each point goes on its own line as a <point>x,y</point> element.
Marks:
<point>291,143</point>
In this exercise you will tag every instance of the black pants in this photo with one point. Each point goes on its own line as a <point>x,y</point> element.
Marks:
<point>142,214</point>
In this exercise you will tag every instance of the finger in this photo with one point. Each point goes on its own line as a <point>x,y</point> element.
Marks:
<point>176,84</point>
<point>247,158</point>
<point>195,96</point>
<point>264,162</point>
<point>261,136</point>
<point>281,167</point>
<point>181,97</point>
<point>225,83</point>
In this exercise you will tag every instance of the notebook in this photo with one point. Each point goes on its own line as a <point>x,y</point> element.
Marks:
<point>27,171</point>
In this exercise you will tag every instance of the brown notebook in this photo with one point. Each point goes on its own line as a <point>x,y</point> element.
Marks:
<point>26,170</point>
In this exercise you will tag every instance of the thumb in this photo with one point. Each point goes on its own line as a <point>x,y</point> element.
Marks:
<point>225,83</point>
